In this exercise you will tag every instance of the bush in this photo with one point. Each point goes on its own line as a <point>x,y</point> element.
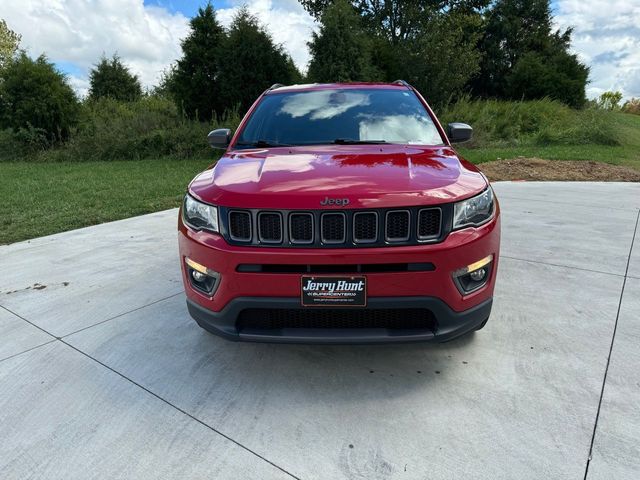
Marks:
<point>109,130</point>
<point>35,97</point>
<point>583,128</point>
<point>534,122</point>
<point>632,106</point>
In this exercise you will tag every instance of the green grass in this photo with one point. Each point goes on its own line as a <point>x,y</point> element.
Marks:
<point>44,198</point>
<point>548,130</point>
<point>627,152</point>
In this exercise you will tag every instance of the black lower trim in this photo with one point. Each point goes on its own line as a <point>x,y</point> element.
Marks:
<point>287,268</point>
<point>449,324</point>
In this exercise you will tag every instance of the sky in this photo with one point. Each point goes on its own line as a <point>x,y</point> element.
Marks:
<point>146,34</point>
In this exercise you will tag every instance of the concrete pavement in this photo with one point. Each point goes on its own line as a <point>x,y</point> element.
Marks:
<point>104,375</point>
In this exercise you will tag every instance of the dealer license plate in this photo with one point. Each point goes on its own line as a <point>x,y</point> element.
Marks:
<point>340,291</point>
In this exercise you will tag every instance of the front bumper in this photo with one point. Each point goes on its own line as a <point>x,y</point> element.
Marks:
<point>450,324</point>
<point>435,290</point>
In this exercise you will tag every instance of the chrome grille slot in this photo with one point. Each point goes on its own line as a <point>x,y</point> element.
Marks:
<point>365,227</point>
<point>333,226</point>
<point>397,226</point>
<point>270,227</point>
<point>429,222</point>
<point>301,228</point>
<point>240,226</point>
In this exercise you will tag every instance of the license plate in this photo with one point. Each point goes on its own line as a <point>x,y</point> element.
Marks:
<point>341,291</point>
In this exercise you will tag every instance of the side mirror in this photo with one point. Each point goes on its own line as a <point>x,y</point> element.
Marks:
<point>459,132</point>
<point>219,138</point>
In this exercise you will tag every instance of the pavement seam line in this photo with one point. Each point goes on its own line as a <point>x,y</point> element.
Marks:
<point>29,322</point>
<point>184,412</point>
<point>28,350</point>
<point>613,338</point>
<point>563,266</point>
<point>122,314</point>
<point>95,324</point>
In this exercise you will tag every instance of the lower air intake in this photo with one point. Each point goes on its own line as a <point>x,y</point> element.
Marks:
<point>396,319</point>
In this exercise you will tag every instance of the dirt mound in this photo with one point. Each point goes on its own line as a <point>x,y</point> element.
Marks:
<point>561,170</point>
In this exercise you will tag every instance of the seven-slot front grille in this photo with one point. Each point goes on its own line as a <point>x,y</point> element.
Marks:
<point>333,228</point>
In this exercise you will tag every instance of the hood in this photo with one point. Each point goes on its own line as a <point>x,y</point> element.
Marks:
<point>368,176</point>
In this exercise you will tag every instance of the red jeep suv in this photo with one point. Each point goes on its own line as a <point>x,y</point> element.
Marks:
<point>340,213</point>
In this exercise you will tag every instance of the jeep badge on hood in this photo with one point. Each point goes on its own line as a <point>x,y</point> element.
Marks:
<point>340,202</point>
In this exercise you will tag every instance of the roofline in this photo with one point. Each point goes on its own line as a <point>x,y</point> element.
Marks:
<point>278,87</point>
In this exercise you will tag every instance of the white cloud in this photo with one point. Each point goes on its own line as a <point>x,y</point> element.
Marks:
<point>80,31</point>
<point>606,37</point>
<point>147,38</point>
<point>80,84</point>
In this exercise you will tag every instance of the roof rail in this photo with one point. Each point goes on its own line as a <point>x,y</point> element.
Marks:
<point>275,85</point>
<point>402,82</point>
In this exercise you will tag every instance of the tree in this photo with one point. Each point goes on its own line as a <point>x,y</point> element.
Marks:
<point>193,83</point>
<point>399,20</point>
<point>555,75</point>
<point>610,100</point>
<point>431,43</point>
<point>340,51</point>
<point>252,62</point>
<point>35,96</point>
<point>514,27</point>
<point>9,42</point>
<point>110,78</point>
<point>165,86</point>
<point>441,63</point>
<point>524,58</point>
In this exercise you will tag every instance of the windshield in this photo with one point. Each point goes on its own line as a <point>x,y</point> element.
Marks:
<point>341,116</point>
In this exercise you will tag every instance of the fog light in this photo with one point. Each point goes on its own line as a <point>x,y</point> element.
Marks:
<point>198,276</point>
<point>202,278</point>
<point>474,276</point>
<point>478,275</point>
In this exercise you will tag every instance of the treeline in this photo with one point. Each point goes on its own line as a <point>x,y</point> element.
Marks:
<point>506,49</point>
<point>451,50</point>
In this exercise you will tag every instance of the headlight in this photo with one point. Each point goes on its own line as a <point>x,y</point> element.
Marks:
<point>198,215</point>
<point>474,211</point>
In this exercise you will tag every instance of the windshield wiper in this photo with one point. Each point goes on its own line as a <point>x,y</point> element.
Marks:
<point>262,144</point>
<point>348,141</point>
